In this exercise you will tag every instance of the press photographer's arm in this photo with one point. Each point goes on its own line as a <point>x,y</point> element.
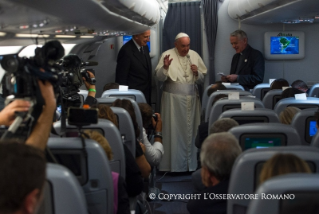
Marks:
<point>40,134</point>
<point>90,99</point>
<point>7,115</point>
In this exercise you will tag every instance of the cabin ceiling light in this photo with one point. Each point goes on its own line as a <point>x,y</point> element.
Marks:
<point>31,35</point>
<point>86,37</point>
<point>2,34</point>
<point>65,36</point>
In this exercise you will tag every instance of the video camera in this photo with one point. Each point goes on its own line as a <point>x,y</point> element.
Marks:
<point>73,71</point>
<point>20,82</point>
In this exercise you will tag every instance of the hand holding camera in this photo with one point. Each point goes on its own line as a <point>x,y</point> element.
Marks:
<point>157,122</point>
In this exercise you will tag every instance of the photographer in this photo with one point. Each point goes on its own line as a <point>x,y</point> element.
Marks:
<point>153,153</point>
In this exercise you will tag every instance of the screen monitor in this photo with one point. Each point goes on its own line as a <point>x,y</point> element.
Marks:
<point>231,106</point>
<point>264,92</point>
<point>259,166</point>
<point>74,160</point>
<point>311,128</point>
<point>303,202</point>
<point>304,106</point>
<point>248,141</point>
<point>275,100</point>
<point>284,45</point>
<point>127,38</point>
<point>249,119</point>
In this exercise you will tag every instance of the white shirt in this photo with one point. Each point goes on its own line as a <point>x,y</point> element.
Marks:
<point>153,153</point>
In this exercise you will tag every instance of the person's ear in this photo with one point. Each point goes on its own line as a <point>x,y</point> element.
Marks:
<point>31,201</point>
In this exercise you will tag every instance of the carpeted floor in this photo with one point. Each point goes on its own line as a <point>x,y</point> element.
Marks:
<point>171,183</point>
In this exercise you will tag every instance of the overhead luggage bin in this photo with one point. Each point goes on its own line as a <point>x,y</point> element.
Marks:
<point>96,16</point>
<point>271,11</point>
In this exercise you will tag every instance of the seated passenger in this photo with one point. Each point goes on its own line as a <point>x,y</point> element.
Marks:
<point>288,114</point>
<point>301,85</point>
<point>111,85</point>
<point>121,201</point>
<point>153,153</point>
<point>22,178</point>
<point>290,92</point>
<point>133,179</point>
<point>279,83</point>
<point>139,154</point>
<point>281,164</point>
<point>221,125</point>
<point>218,154</point>
<point>105,112</point>
<point>215,87</point>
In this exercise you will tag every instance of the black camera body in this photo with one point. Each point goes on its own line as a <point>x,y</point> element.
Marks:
<point>86,75</point>
<point>155,117</point>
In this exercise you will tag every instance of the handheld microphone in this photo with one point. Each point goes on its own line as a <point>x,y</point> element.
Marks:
<point>189,59</point>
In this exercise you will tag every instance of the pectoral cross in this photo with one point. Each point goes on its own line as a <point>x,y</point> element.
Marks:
<point>185,76</point>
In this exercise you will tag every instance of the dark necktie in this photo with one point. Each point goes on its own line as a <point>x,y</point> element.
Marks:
<point>141,50</point>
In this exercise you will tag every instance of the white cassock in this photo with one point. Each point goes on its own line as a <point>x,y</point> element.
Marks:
<point>180,110</point>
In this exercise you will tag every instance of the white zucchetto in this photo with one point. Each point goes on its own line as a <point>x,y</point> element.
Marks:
<point>181,35</point>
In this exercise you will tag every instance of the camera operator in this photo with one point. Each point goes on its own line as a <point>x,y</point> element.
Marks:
<point>90,99</point>
<point>153,153</point>
<point>7,115</point>
<point>40,134</point>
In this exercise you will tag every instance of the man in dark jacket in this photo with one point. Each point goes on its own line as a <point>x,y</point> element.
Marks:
<point>134,67</point>
<point>218,154</point>
<point>248,65</point>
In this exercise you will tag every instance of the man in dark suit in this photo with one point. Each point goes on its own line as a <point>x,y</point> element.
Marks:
<point>218,154</point>
<point>248,65</point>
<point>134,67</point>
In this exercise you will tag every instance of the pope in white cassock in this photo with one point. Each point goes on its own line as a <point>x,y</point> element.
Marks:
<point>180,68</point>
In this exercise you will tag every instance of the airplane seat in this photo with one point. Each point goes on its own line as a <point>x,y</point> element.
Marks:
<point>133,94</point>
<point>271,98</point>
<point>126,128</point>
<point>259,115</point>
<point>301,191</point>
<point>62,192</point>
<point>261,90</point>
<point>225,104</point>
<point>234,87</point>
<point>245,173</point>
<point>110,100</point>
<point>264,135</point>
<point>314,91</point>
<point>311,102</point>
<point>213,95</point>
<point>113,136</point>
<point>305,124</point>
<point>205,97</point>
<point>88,162</point>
